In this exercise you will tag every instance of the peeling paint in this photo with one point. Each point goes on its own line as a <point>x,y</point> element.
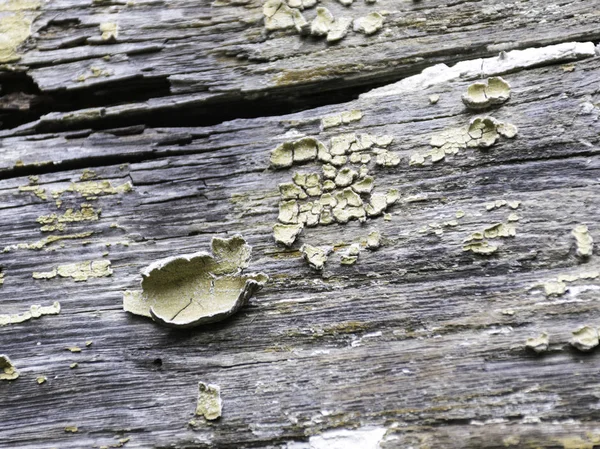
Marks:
<point>483,95</point>
<point>374,240</point>
<point>584,240</point>
<point>369,24</point>
<point>80,271</point>
<point>474,69</point>
<point>110,32</point>
<point>339,29</point>
<point>316,256</point>
<point>41,379</point>
<point>54,222</point>
<point>321,25</point>
<point>286,234</point>
<point>209,401</point>
<point>16,17</point>
<point>538,344</point>
<point>195,289</point>
<point>35,311</point>
<point>92,189</point>
<point>350,256</point>
<point>7,370</point>
<point>585,338</point>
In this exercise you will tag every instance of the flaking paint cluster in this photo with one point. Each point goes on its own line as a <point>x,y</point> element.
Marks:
<point>341,192</point>
<point>288,14</point>
<point>482,132</point>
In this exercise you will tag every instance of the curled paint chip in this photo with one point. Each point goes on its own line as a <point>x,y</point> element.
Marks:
<point>195,289</point>
<point>286,234</point>
<point>483,95</point>
<point>7,369</point>
<point>585,243</point>
<point>209,401</point>
<point>538,344</point>
<point>585,338</point>
<point>316,256</point>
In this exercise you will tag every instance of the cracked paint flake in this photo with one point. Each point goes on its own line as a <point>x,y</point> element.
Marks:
<point>35,311</point>
<point>483,95</point>
<point>374,240</point>
<point>195,289</point>
<point>316,256</point>
<point>209,402</point>
<point>286,234</point>
<point>482,132</point>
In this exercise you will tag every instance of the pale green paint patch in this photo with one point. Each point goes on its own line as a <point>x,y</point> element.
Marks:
<point>483,95</point>
<point>195,289</point>
<point>7,370</point>
<point>80,271</point>
<point>35,311</point>
<point>584,240</point>
<point>209,402</point>
<point>585,338</point>
<point>538,344</point>
<point>16,17</point>
<point>316,256</point>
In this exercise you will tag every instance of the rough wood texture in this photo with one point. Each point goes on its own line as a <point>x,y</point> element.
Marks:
<point>173,60</point>
<point>419,338</point>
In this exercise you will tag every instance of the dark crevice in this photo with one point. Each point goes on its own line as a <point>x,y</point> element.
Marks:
<point>298,95</point>
<point>21,100</point>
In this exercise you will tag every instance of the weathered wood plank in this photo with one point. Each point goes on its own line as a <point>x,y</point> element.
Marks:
<point>419,338</point>
<point>201,55</point>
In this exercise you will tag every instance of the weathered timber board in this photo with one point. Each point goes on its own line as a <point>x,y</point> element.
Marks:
<point>204,54</point>
<point>414,338</point>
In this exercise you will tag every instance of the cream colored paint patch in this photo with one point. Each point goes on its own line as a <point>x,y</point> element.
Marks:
<point>35,311</point>
<point>15,27</point>
<point>195,289</point>
<point>7,370</point>
<point>46,241</point>
<point>80,271</point>
<point>92,189</point>
<point>56,222</point>
<point>209,402</point>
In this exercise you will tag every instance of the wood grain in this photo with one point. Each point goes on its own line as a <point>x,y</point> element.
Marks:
<point>417,337</point>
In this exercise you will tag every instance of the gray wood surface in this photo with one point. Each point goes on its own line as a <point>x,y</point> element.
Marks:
<point>419,338</point>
